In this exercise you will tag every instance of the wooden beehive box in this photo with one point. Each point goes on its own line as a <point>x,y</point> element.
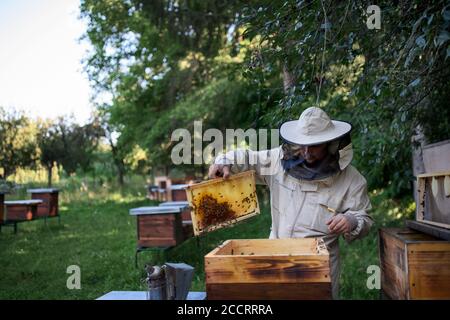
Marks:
<point>414,265</point>
<point>186,210</point>
<point>282,269</point>
<point>433,205</point>
<point>178,192</point>
<point>188,231</point>
<point>221,202</point>
<point>158,226</point>
<point>49,197</point>
<point>21,210</point>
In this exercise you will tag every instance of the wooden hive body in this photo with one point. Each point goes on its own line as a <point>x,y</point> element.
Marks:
<point>158,226</point>
<point>49,197</point>
<point>414,265</point>
<point>283,269</point>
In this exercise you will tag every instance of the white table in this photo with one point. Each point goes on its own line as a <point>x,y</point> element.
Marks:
<point>142,295</point>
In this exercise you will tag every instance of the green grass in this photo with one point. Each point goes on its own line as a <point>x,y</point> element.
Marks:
<point>97,234</point>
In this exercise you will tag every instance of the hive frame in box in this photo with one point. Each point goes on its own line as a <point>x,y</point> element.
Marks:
<point>422,190</point>
<point>189,192</point>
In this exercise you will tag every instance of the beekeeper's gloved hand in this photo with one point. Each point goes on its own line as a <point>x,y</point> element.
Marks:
<point>342,223</point>
<point>219,170</point>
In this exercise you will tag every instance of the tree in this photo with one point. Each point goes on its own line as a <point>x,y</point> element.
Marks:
<point>17,142</point>
<point>386,82</point>
<point>51,146</point>
<point>69,144</point>
<point>152,55</point>
<point>159,59</point>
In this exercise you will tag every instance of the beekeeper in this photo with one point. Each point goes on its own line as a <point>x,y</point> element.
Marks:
<point>314,190</point>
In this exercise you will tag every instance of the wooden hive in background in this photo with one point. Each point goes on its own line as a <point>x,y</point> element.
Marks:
<point>158,226</point>
<point>186,210</point>
<point>414,265</point>
<point>49,197</point>
<point>188,231</point>
<point>285,269</point>
<point>177,192</point>
<point>22,210</point>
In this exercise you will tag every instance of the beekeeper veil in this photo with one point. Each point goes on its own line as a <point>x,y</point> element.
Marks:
<point>315,127</point>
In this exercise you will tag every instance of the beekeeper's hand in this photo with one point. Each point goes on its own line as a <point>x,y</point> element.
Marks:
<point>342,223</point>
<point>219,170</point>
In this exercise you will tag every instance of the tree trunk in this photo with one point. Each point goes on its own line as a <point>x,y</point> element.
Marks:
<point>288,79</point>
<point>121,170</point>
<point>118,161</point>
<point>49,175</point>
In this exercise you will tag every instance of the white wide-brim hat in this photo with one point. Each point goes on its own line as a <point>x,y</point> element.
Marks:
<point>313,127</point>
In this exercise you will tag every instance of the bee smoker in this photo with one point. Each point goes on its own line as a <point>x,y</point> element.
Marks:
<point>169,282</point>
<point>156,282</point>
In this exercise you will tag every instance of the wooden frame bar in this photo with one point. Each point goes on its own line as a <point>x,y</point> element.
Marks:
<point>424,191</point>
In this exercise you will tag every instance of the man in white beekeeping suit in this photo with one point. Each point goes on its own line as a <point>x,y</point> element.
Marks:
<point>314,191</point>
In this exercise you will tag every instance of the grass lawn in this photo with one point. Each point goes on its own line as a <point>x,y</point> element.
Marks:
<point>97,234</point>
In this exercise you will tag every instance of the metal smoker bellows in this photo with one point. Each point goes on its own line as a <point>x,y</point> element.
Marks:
<point>169,282</point>
<point>156,282</point>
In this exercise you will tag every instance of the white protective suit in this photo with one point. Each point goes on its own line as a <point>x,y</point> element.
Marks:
<point>299,207</point>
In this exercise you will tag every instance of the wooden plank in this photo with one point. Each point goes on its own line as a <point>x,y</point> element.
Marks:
<point>429,229</point>
<point>224,224</point>
<point>236,176</point>
<point>434,174</point>
<point>436,155</point>
<point>223,249</point>
<point>263,291</point>
<point>159,230</point>
<point>306,246</point>
<point>429,270</point>
<point>157,242</point>
<point>437,224</point>
<point>179,195</point>
<point>405,235</point>
<point>393,264</point>
<point>271,269</point>
<point>186,215</point>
